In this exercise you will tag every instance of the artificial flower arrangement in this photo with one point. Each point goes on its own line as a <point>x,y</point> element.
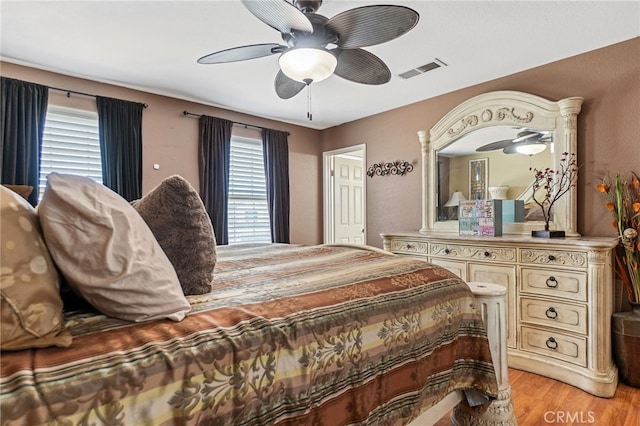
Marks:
<point>551,185</point>
<point>623,200</point>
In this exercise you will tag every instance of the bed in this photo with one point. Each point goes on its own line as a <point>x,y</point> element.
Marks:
<point>289,335</point>
<point>164,327</point>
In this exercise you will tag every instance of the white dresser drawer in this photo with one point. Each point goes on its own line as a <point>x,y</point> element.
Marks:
<point>554,314</point>
<point>500,254</point>
<point>553,257</point>
<point>557,345</point>
<point>456,266</point>
<point>555,283</point>
<point>504,275</point>
<point>409,247</point>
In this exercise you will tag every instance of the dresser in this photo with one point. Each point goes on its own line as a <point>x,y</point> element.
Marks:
<point>559,303</point>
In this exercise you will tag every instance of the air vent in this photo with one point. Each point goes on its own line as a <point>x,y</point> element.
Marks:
<point>437,63</point>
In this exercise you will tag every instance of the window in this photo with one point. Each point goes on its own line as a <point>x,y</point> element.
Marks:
<point>70,145</point>
<point>248,215</point>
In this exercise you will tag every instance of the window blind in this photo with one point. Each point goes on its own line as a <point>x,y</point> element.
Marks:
<point>248,214</point>
<point>70,145</point>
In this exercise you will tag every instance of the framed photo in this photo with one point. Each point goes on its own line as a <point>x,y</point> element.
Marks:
<point>478,178</point>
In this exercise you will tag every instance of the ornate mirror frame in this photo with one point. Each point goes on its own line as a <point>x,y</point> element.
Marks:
<point>502,108</point>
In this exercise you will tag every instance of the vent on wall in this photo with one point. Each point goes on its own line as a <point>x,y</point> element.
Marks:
<point>437,63</point>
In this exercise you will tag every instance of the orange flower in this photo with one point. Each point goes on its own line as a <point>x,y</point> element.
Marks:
<point>636,207</point>
<point>610,206</point>
<point>635,183</point>
<point>602,187</point>
<point>615,224</point>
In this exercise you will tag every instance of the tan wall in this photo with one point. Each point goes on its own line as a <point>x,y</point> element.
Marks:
<point>608,133</point>
<point>171,140</point>
<point>608,141</point>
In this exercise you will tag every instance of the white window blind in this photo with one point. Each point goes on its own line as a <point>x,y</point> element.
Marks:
<point>248,214</point>
<point>70,145</point>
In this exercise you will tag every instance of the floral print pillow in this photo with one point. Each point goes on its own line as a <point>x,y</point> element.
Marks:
<point>30,303</point>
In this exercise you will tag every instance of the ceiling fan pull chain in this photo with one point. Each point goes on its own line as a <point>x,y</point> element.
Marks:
<point>309,114</point>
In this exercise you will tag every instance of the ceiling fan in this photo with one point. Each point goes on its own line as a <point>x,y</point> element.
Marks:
<point>317,47</point>
<point>527,141</point>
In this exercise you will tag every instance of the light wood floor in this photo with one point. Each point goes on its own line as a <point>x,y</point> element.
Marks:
<point>538,400</point>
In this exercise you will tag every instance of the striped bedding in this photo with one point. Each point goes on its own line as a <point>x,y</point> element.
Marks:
<point>290,335</point>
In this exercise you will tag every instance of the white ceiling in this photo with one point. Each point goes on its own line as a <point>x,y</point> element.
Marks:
<point>153,46</point>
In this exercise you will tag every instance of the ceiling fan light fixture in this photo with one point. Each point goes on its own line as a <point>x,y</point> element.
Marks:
<point>307,64</point>
<point>531,149</point>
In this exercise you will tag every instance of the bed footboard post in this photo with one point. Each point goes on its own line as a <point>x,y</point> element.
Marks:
<point>492,299</point>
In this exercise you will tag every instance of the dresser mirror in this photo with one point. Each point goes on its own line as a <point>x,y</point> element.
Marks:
<point>487,148</point>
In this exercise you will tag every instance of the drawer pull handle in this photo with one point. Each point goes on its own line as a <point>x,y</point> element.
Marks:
<point>551,313</point>
<point>447,251</point>
<point>487,254</point>
<point>551,343</point>
<point>552,257</point>
<point>552,282</point>
<point>409,246</point>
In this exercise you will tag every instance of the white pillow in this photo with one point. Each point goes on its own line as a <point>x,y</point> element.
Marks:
<point>107,252</point>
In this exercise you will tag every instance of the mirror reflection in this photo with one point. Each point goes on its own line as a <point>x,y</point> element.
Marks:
<point>491,163</point>
<point>503,168</point>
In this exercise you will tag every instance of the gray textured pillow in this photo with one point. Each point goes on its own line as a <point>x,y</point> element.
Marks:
<point>176,215</point>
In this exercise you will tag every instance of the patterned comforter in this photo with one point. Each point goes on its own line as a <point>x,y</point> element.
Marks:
<point>290,335</point>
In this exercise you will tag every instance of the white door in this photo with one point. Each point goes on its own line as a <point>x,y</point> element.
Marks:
<point>349,198</point>
<point>345,195</point>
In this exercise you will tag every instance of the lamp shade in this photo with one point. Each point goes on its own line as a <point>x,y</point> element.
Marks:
<point>307,64</point>
<point>455,199</point>
<point>531,149</point>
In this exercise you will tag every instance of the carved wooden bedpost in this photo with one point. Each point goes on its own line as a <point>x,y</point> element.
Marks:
<point>492,303</point>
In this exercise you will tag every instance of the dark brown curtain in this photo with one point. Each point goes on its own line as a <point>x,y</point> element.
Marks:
<point>214,154</point>
<point>24,111</point>
<point>276,168</point>
<point>120,128</point>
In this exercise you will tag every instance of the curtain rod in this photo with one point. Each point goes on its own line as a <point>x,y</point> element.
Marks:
<point>80,93</point>
<point>239,123</point>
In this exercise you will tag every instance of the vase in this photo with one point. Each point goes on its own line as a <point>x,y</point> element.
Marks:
<point>547,233</point>
<point>625,329</point>
<point>498,192</point>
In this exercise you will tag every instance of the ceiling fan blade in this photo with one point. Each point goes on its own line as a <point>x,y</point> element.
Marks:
<point>495,145</point>
<point>524,137</point>
<point>369,25</point>
<point>527,135</point>
<point>280,15</point>
<point>287,88</point>
<point>242,53</point>
<point>361,66</point>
